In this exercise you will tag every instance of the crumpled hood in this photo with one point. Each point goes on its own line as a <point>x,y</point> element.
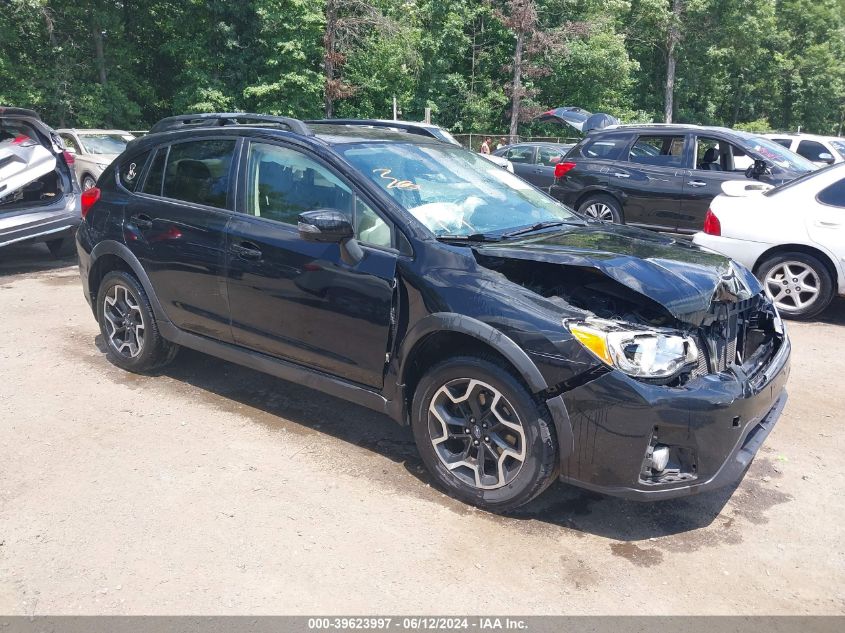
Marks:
<point>681,277</point>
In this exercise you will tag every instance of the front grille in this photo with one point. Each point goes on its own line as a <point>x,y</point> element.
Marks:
<point>734,332</point>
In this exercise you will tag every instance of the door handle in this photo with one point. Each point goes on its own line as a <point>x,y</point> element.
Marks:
<point>143,222</point>
<point>830,225</point>
<point>697,183</point>
<point>620,175</point>
<point>246,250</point>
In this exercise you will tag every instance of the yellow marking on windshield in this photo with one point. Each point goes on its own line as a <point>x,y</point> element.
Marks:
<point>395,183</point>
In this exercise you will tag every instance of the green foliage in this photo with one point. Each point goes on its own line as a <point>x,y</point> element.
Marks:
<point>773,64</point>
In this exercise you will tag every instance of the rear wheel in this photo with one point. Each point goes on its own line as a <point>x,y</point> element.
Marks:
<point>799,284</point>
<point>88,182</point>
<point>128,325</point>
<point>602,208</point>
<point>481,434</point>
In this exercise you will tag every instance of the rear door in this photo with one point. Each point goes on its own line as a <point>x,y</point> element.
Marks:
<point>299,300</point>
<point>826,220</point>
<point>545,159</point>
<point>651,180</point>
<point>712,159</point>
<point>175,225</point>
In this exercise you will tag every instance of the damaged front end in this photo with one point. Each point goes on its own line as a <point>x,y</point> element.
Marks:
<point>693,358</point>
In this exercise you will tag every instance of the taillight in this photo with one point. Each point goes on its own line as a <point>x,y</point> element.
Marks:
<point>561,169</point>
<point>69,159</point>
<point>712,226</point>
<point>89,197</point>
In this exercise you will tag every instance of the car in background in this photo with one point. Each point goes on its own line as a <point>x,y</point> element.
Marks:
<point>822,150</point>
<point>93,151</point>
<point>39,193</point>
<point>535,162</point>
<point>428,130</point>
<point>792,237</point>
<point>665,176</point>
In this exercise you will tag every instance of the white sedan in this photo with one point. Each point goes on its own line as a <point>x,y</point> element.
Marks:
<point>791,236</point>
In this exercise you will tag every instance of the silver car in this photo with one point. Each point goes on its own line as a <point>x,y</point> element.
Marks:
<point>93,150</point>
<point>39,193</point>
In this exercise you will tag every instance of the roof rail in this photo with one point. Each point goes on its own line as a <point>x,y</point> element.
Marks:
<point>229,118</point>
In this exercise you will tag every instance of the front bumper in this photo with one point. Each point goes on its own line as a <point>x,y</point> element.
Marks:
<point>720,420</point>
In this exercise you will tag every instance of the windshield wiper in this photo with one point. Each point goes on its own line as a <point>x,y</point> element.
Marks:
<point>537,227</point>
<point>473,237</point>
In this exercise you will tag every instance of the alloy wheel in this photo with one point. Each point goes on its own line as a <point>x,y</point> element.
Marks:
<point>88,183</point>
<point>125,321</point>
<point>476,433</point>
<point>599,211</point>
<point>793,286</point>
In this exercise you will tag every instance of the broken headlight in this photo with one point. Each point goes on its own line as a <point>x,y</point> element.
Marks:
<point>639,352</point>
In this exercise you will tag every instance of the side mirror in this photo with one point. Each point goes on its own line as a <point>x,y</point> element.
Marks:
<point>330,226</point>
<point>826,157</point>
<point>325,225</point>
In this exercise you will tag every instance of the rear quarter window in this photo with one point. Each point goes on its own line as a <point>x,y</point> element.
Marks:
<point>129,174</point>
<point>607,147</point>
<point>833,195</point>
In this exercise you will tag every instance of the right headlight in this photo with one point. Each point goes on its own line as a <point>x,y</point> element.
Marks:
<point>639,352</point>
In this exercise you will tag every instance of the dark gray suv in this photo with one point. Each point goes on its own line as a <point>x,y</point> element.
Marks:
<point>665,176</point>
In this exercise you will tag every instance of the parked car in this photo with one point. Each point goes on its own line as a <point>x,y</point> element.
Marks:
<point>521,342</point>
<point>428,130</point>
<point>93,151</point>
<point>39,195</point>
<point>821,150</point>
<point>790,236</point>
<point>535,162</point>
<point>664,176</point>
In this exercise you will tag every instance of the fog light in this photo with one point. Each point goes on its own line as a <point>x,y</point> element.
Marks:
<point>659,458</point>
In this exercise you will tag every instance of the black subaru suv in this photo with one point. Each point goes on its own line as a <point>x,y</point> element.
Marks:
<point>664,177</point>
<point>520,342</point>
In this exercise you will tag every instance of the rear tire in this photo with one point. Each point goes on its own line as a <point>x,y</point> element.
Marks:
<point>88,182</point>
<point>799,284</point>
<point>603,208</point>
<point>481,434</point>
<point>128,325</point>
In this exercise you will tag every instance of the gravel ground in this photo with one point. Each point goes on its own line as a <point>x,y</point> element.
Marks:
<point>213,489</point>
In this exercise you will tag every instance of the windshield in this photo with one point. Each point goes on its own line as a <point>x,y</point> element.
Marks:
<point>104,143</point>
<point>445,136</point>
<point>779,155</point>
<point>453,191</point>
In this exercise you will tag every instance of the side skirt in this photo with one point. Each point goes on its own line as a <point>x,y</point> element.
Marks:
<point>280,369</point>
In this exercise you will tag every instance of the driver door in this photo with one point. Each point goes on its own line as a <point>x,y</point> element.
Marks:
<point>299,300</point>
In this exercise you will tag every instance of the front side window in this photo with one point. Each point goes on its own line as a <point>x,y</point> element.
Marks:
<point>283,182</point>
<point>70,143</point>
<point>833,195</point>
<point>198,172</point>
<point>453,191</point>
<point>708,156</point>
<point>660,151</point>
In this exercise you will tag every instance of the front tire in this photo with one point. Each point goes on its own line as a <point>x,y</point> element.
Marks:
<point>481,434</point>
<point>799,284</point>
<point>128,325</point>
<point>603,208</point>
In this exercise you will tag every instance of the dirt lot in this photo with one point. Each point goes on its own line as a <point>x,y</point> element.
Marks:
<point>215,489</point>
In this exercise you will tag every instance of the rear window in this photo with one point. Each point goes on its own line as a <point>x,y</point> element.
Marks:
<point>198,172</point>
<point>606,147</point>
